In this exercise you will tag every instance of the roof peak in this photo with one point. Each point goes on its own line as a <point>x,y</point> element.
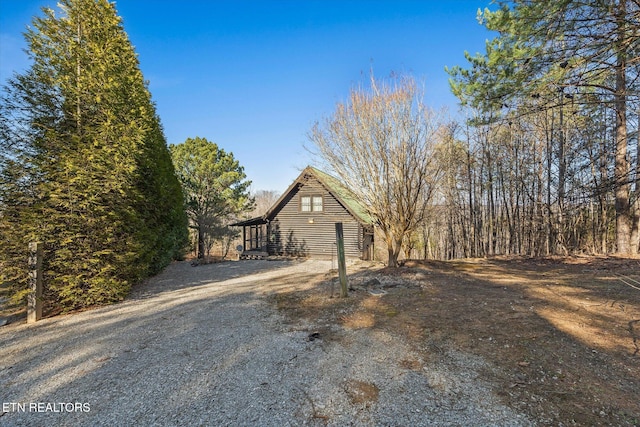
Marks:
<point>342,193</point>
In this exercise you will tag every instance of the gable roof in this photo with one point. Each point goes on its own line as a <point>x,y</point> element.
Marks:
<point>342,194</point>
<point>330,183</point>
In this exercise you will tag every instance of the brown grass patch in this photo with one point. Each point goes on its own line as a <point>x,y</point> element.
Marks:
<point>563,332</point>
<point>361,392</point>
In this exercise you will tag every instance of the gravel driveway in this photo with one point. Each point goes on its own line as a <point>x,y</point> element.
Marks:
<point>201,346</point>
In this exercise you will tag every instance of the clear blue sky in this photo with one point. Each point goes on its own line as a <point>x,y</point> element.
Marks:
<point>253,76</point>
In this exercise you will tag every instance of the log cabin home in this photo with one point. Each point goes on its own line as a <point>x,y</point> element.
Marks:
<point>302,222</point>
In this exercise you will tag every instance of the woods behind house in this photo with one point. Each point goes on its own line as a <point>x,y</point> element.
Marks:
<point>545,161</point>
<point>548,163</point>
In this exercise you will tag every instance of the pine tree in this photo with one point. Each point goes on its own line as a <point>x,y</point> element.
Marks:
<point>102,192</point>
<point>553,51</point>
<point>215,187</point>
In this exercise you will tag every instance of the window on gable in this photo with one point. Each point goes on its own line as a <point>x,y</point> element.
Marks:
<point>311,204</point>
<point>316,203</point>
<point>305,204</point>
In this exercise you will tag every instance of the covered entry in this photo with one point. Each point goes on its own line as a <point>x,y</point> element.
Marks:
<point>254,237</point>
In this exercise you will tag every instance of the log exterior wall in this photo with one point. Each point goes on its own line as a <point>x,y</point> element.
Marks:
<point>293,232</point>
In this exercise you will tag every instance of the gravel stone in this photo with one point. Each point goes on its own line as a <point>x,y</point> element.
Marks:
<point>200,346</point>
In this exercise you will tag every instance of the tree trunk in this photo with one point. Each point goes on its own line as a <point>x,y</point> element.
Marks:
<point>472,216</point>
<point>562,171</point>
<point>623,217</point>
<point>602,194</point>
<point>201,246</point>
<point>635,210</point>
<point>394,246</point>
<point>393,256</point>
<point>635,228</point>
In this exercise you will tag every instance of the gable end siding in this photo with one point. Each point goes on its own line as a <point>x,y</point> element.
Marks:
<point>293,232</point>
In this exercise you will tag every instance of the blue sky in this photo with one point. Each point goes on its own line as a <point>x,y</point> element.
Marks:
<point>253,76</point>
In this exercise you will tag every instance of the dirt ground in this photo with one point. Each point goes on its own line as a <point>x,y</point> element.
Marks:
<point>560,336</point>
<point>562,333</point>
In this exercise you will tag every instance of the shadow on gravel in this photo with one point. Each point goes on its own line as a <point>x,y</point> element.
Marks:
<point>181,353</point>
<point>208,349</point>
<point>181,275</point>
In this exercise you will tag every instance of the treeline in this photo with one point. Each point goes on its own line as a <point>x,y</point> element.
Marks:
<point>84,165</point>
<point>547,162</point>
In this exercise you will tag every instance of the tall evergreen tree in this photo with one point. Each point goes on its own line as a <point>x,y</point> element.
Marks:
<point>87,167</point>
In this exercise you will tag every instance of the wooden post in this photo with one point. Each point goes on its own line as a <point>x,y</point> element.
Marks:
<point>244,236</point>
<point>342,266</point>
<point>34,299</point>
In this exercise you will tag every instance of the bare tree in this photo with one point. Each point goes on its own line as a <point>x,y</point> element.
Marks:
<point>264,200</point>
<point>382,144</point>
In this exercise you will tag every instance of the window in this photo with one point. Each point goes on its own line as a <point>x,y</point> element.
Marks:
<point>316,204</point>
<point>305,204</point>
<point>311,204</point>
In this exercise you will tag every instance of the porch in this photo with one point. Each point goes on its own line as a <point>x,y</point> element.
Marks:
<point>254,238</point>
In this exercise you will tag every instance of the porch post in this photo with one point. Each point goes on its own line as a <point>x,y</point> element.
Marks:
<point>244,237</point>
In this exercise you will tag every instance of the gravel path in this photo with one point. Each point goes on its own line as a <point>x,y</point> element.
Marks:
<point>201,346</point>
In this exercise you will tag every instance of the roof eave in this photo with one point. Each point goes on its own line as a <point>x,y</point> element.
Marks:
<point>252,221</point>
